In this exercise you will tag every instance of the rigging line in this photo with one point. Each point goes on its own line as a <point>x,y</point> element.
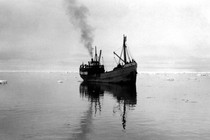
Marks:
<point>130,54</point>
<point>120,56</point>
<point>126,52</point>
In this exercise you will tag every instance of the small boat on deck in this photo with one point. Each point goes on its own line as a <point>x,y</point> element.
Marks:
<point>124,72</point>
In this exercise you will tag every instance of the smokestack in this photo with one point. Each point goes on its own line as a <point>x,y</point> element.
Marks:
<point>95,53</point>
<point>78,17</point>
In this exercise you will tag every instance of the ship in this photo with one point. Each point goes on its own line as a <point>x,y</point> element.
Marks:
<point>124,72</point>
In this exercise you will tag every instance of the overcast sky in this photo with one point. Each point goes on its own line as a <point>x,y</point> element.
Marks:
<point>163,35</point>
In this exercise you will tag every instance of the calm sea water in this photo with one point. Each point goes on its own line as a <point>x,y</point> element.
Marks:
<point>58,106</point>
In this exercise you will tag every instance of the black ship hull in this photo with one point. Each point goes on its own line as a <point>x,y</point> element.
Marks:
<point>125,74</point>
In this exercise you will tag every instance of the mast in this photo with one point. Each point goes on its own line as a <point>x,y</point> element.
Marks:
<point>99,57</point>
<point>124,48</point>
<point>95,53</point>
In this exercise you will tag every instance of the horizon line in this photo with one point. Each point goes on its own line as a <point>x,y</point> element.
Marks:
<point>70,71</point>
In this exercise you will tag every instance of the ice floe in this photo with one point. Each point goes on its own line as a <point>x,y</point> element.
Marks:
<point>2,82</point>
<point>60,81</point>
<point>170,79</point>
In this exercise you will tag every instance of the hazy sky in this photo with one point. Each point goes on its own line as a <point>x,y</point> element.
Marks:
<point>163,35</point>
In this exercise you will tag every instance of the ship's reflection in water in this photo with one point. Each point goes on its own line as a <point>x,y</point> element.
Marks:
<point>125,96</point>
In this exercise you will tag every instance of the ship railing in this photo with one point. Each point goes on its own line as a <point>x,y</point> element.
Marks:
<point>85,66</point>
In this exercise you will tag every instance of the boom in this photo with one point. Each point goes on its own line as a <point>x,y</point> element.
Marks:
<point>119,57</point>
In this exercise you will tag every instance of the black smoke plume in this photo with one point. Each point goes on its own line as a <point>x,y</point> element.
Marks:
<point>78,17</point>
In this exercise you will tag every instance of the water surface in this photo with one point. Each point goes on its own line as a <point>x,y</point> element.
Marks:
<point>40,106</point>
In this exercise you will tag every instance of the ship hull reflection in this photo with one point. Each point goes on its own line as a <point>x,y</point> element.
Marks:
<point>125,96</point>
